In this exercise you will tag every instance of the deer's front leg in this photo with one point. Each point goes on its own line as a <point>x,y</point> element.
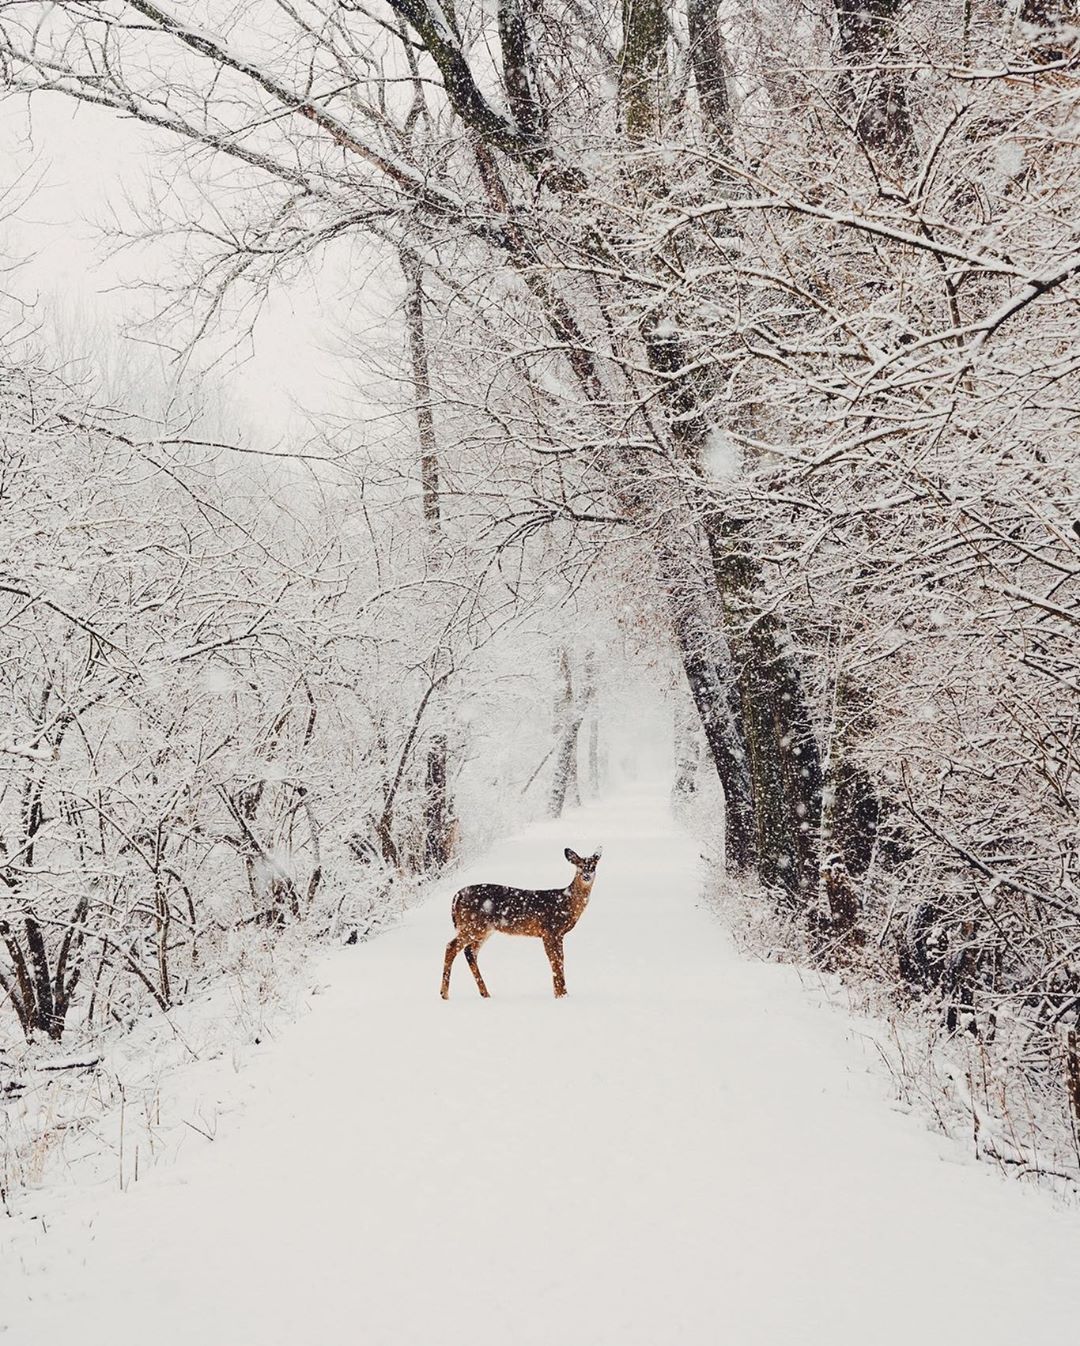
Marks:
<point>553,946</point>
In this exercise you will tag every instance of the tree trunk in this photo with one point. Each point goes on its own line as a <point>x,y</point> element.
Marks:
<point>421,381</point>
<point>872,85</point>
<point>783,758</point>
<point>439,828</point>
<point>567,728</point>
<point>592,716</point>
<point>752,708</point>
<point>643,65</point>
<point>713,74</point>
<point>39,996</point>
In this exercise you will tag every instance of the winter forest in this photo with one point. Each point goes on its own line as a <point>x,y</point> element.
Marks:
<point>421,422</point>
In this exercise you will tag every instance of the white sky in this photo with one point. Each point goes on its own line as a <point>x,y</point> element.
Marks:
<point>70,168</point>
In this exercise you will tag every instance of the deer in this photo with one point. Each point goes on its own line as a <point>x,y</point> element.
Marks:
<point>548,914</point>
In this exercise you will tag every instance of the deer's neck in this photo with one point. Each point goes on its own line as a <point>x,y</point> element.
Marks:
<point>579,895</point>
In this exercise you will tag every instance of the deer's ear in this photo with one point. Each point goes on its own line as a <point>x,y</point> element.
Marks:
<point>572,856</point>
<point>599,852</point>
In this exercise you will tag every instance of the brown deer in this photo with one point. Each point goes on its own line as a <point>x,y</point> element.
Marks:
<point>546,913</point>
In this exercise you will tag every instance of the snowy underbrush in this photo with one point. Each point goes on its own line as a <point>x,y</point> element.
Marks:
<point>128,1093</point>
<point>1001,1102</point>
<point>980,1091</point>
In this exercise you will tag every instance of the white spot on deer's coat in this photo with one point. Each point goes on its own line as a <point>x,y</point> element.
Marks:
<point>486,906</point>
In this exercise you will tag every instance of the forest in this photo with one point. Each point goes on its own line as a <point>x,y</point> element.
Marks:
<point>703,374</point>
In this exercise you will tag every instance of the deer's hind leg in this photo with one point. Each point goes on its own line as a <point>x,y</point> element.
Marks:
<point>472,948</point>
<point>452,950</point>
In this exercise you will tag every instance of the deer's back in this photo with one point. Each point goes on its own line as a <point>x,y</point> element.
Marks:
<point>513,911</point>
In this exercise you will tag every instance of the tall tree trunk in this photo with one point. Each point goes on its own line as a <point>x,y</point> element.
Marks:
<point>438,820</point>
<point>770,765</point>
<point>643,63</point>
<point>713,74</point>
<point>439,828</point>
<point>753,711</point>
<point>784,760</point>
<point>421,381</point>
<point>873,85</point>
<point>592,711</point>
<point>567,728</point>
<point>710,677</point>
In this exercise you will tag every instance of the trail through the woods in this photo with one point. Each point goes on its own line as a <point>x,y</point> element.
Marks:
<point>690,1148</point>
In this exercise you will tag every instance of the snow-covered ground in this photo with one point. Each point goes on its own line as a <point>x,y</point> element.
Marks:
<point>687,1149</point>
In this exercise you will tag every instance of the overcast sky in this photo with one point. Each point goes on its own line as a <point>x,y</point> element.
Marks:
<point>74,165</point>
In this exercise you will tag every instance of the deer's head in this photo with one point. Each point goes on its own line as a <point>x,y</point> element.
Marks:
<point>586,868</point>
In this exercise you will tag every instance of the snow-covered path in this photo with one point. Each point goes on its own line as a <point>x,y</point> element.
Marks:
<point>686,1150</point>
